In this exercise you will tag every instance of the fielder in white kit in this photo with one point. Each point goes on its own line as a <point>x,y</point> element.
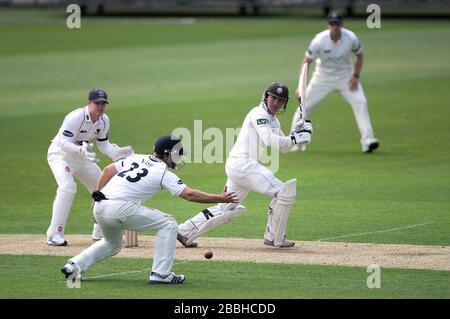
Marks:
<point>118,206</point>
<point>71,154</point>
<point>261,129</point>
<point>333,49</point>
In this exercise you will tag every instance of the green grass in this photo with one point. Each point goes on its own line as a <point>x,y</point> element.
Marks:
<point>174,74</point>
<point>162,76</point>
<point>109,279</point>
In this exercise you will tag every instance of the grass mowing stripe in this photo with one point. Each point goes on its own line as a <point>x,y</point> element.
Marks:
<point>216,279</point>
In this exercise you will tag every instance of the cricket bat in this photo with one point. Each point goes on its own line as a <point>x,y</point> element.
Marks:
<point>301,89</point>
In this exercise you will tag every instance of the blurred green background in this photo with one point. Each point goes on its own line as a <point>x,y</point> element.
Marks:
<point>165,73</point>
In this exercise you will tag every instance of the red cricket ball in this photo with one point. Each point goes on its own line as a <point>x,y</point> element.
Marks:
<point>208,254</point>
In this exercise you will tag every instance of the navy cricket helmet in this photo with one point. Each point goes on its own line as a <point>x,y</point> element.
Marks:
<point>169,145</point>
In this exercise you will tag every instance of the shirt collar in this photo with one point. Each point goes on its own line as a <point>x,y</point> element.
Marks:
<point>86,115</point>
<point>265,108</point>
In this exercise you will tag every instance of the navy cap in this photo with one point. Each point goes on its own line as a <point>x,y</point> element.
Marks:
<point>167,143</point>
<point>98,95</point>
<point>334,18</point>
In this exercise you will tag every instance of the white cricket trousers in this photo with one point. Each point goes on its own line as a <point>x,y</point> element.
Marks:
<point>321,86</point>
<point>245,175</point>
<point>64,169</point>
<point>113,216</point>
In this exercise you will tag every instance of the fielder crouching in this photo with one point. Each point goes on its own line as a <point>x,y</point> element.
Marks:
<point>260,130</point>
<point>122,187</point>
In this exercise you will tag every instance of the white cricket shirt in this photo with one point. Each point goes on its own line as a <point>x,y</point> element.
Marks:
<point>334,58</point>
<point>259,130</point>
<point>140,177</point>
<point>78,127</point>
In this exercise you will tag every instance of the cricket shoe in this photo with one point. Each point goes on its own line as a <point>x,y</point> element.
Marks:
<point>56,240</point>
<point>183,240</point>
<point>371,146</point>
<point>169,279</point>
<point>71,271</point>
<point>286,243</point>
<point>96,233</point>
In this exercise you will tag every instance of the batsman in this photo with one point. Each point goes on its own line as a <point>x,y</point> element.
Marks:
<point>260,130</point>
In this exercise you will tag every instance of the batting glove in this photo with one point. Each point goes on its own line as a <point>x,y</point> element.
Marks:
<point>305,127</point>
<point>298,125</point>
<point>301,137</point>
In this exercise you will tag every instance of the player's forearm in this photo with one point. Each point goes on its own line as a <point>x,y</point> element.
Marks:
<point>282,143</point>
<point>285,147</point>
<point>70,147</point>
<point>194,195</point>
<point>358,65</point>
<point>107,148</point>
<point>106,175</point>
